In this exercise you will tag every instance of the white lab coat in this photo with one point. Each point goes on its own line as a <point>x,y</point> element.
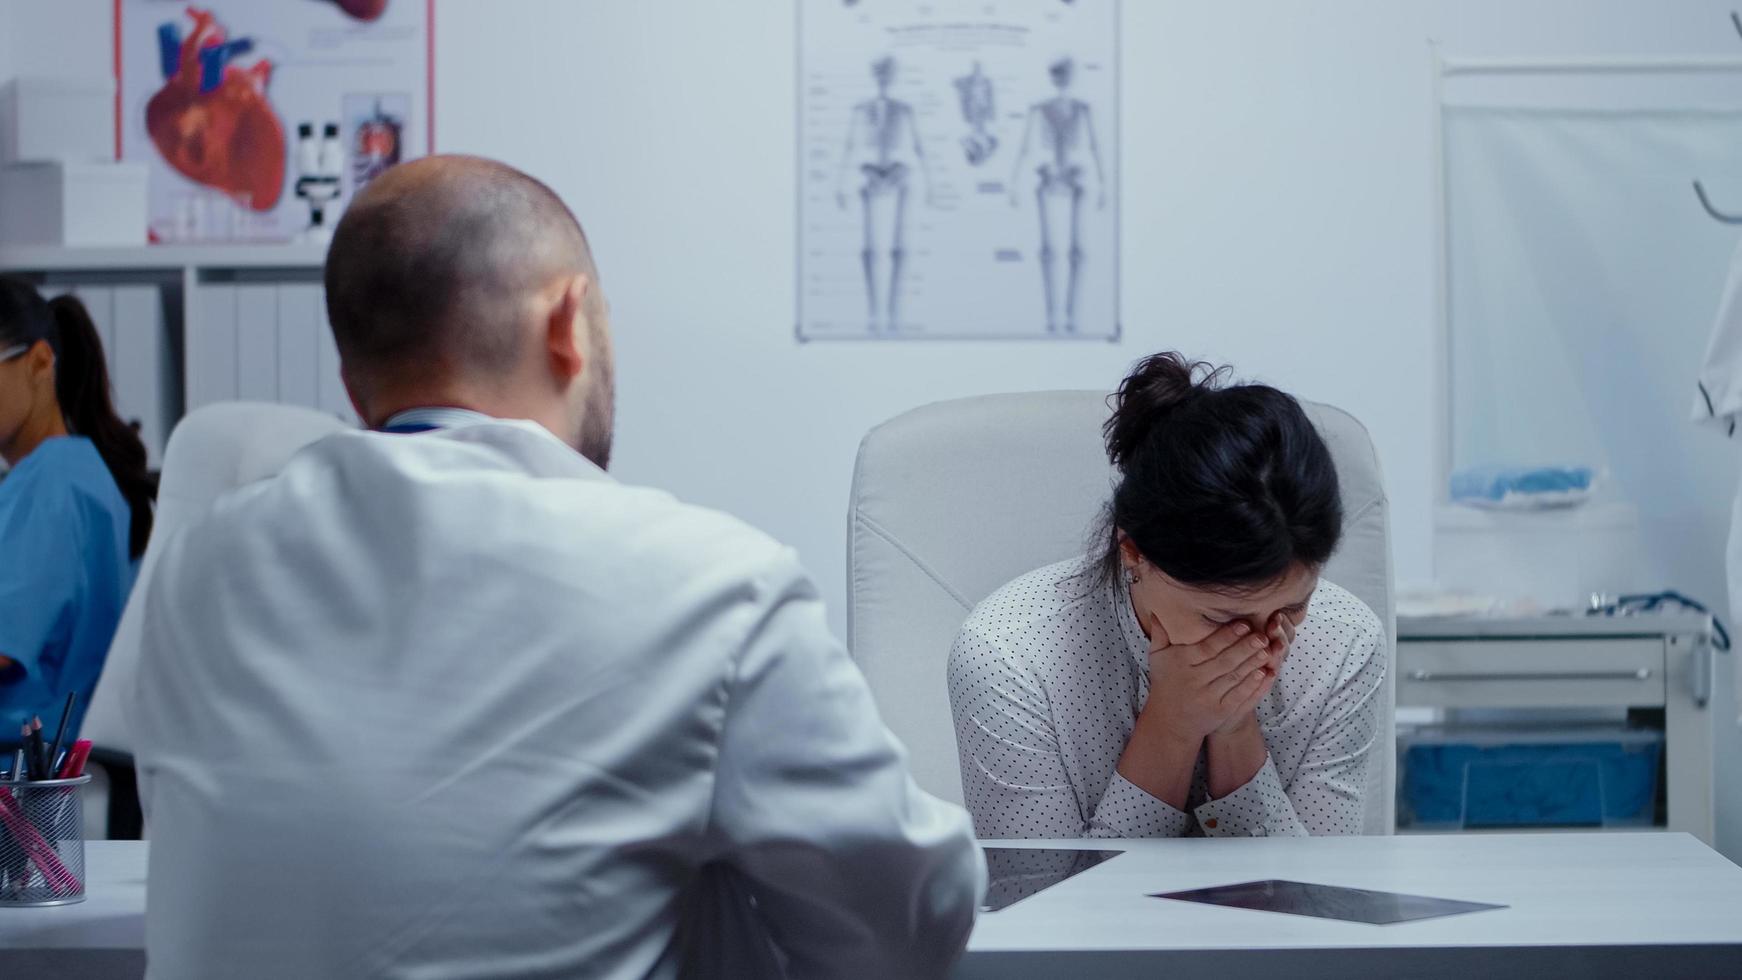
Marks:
<point>458,704</point>
<point>1719,403</point>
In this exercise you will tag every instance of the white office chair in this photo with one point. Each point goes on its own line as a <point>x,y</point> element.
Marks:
<point>952,500</point>
<point>213,450</point>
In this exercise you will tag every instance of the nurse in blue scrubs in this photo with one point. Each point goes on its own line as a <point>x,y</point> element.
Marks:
<point>75,507</point>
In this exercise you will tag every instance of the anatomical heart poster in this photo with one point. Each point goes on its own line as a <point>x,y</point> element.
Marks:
<point>958,169</point>
<point>259,119</point>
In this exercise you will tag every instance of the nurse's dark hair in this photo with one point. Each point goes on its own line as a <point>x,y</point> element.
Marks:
<point>1221,486</point>
<point>81,387</point>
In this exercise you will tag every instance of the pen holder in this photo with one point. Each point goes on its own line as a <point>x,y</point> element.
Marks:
<point>42,842</point>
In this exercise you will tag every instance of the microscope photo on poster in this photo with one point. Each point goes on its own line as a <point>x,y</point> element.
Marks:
<point>258,121</point>
<point>958,169</point>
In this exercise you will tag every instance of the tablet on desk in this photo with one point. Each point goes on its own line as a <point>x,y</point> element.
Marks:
<point>1327,901</point>
<point>1018,872</point>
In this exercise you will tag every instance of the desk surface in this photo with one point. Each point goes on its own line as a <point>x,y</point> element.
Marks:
<point>1600,904</point>
<point>1604,904</point>
<point>101,938</point>
<point>1561,889</point>
<point>112,916</point>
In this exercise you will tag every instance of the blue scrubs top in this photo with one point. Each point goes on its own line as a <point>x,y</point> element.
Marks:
<point>64,578</point>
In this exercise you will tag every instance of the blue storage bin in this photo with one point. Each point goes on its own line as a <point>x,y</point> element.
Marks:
<point>1451,778</point>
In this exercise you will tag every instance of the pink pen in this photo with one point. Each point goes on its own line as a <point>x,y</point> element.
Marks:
<point>74,765</point>
<point>40,852</point>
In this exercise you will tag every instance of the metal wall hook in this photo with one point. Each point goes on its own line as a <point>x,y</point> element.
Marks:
<point>1699,189</point>
<point>1706,202</point>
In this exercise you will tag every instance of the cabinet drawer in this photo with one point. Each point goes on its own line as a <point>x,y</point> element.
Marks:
<point>1530,673</point>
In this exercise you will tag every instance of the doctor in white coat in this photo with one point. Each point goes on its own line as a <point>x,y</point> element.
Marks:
<point>443,699</point>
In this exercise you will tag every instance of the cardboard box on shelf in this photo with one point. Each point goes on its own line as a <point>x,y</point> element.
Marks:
<point>72,204</point>
<point>50,118</point>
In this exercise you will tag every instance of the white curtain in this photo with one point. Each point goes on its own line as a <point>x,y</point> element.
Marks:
<point>1583,280</point>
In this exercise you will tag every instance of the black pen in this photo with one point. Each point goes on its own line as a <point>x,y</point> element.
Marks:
<point>25,755</point>
<point>36,747</point>
<point>60,733</point>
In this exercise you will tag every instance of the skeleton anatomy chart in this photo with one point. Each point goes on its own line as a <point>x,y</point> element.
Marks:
<point>958,169</point>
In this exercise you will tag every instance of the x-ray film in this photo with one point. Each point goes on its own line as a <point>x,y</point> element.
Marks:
<point>1017,872</point>
<point>958,169</point>
<point>1327,901</point>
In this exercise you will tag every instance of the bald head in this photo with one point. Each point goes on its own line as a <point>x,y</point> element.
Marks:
<point>433,266</point>
<point>451,275</point>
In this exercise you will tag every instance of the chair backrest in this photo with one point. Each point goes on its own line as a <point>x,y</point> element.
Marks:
<point>213,450</point>
<point>952,500</point>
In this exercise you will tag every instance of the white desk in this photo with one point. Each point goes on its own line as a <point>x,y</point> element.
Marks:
<point>1590,905</point>
<point>102,937</point>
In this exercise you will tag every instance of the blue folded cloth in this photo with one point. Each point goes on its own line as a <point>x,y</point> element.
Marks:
<point>1494,484</point>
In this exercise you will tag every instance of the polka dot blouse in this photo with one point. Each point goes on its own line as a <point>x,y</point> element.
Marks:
<point>1047,677</point>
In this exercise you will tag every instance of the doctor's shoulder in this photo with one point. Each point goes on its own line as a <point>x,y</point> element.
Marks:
<point>691,541</point>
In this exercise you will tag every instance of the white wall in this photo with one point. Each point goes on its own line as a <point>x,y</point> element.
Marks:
<point>56,37</point>
<point>1278,215</point>
<point>7,32</point>
<point>1278,179</point>
<point>1278,173</point>
<point>1278,225</point>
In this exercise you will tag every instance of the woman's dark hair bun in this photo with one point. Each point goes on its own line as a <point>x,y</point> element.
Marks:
<point>1221,485</point>
<point>1158,384</point>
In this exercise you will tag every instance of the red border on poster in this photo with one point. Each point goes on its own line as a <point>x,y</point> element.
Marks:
<point>429,69</point>
<point>117,79</point>
<point>428,64</point>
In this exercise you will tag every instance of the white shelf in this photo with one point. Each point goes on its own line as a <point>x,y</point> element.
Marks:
<point>1677,622</point>
<point>1510,831</point>
<point>227,321</point>
<point>1593,515</point>
<point>51,258</point>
